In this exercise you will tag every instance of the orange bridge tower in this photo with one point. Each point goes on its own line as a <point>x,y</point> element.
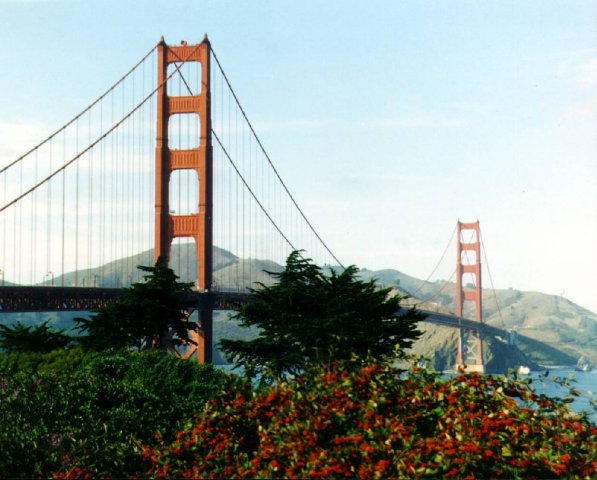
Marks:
<point>468,263</point>
<point>196,225</point>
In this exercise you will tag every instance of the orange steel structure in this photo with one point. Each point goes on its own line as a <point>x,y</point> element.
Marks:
<point>470,344</point>
<point>197,225</point>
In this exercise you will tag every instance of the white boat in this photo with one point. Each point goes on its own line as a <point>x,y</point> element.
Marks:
<point>584,365</point>
<point>523,370</point>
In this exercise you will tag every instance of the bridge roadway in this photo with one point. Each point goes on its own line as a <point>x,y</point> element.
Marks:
<point>50,299</point>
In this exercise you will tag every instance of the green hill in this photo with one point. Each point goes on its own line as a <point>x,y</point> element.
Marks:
<point>551,330</point>
<point>567,329</point>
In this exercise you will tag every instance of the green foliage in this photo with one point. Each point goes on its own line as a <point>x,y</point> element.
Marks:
<point>65,361</point>
<point>151,313</point>
<point>39,338</point>
<point>94,408</point>
<point>375,421</point>
<point>308,316</point>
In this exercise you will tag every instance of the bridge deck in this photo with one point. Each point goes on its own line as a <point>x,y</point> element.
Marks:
<point>52,299</point>
<point>49,299</point>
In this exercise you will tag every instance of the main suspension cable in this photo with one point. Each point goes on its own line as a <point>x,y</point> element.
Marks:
<point>437,264</point>
<point>269,159</point>
<point>251,191</point>
<point>436,294</point>
<point>98,140</point>
<point>80,114</point>
<point>497,304</point>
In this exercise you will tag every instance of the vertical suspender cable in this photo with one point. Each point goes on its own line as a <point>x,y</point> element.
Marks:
<point>63,208</point>
<point>131,185</point>
<point>497,304</point>
<point>19,245</point>
<point>77,186</point>
<point>4,230</point>
<point>236,205</point>
<point>49,218</point>
<point>121,196</point>
<point>230,208</point>
<point>129,192</point>
<point>88,280</point>
<point>243,231</point>
<point>151,189</point>
<point>222,181</point>
<point>140,169</point>
<point>33,227</point>
<point>216,185</point>
<point>102,205</point>
<point>189,174</point>
<point>113,187</point>
<point>14,244</point>
<point>143,126</point>
<point>249,215</point>
<point>179,175</point>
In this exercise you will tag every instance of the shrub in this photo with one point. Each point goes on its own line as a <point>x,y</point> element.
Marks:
<point>94,408</point>
<point>60,360</point>
<point>379,422</point>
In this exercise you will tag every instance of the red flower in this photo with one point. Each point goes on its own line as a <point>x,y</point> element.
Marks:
<point>381,466</point>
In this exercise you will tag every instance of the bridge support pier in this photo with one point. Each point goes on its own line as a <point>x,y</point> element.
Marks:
<point>203,338</point>
<point>470,348</point>
<point>468,262</point>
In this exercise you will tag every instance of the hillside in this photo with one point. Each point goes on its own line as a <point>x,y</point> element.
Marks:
<point>550,330</point>
<point>569,329</point>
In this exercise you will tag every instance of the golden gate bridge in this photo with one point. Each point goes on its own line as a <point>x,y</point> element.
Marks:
<point>167,154</point>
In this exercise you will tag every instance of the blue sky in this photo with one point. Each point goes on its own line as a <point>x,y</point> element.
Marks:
<point>390,120</point>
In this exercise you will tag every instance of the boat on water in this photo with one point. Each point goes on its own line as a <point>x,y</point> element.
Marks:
<point>523,370</point>
<point>583,365</point>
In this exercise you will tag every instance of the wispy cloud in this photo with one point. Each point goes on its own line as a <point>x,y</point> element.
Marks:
<point>293,125</point>
<point>579,66</point>
<point>408,120</point>
<point>580,112</point>
<point>588,73</point>
<point>421,120</point>
<point>16,138</point>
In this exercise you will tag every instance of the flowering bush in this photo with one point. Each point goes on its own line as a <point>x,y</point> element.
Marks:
<point>379,422</point>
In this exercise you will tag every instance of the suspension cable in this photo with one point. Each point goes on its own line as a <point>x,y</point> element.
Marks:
<point>74,119</point>
<point>177,69</point>
<point>251,191</point>
<point>437,264</point>
<point>436,294</point>
<point>269,159</point>
<point>98,140</point>
<point>491,281</point>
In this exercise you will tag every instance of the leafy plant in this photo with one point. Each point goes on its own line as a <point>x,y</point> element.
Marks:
<point>65,361</point>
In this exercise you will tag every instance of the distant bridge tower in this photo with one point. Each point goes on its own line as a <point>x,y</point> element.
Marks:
<point>197,225</point>
<point>468,262</point>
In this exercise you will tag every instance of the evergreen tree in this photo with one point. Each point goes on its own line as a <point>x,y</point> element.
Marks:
<point>150,314</point>
<point>38,339</point>
<point>308,316</point>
